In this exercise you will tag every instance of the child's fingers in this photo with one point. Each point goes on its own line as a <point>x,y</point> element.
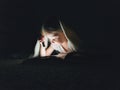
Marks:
<point>41,44</point>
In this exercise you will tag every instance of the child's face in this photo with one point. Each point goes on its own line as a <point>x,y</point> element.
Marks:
<point>56,37</point>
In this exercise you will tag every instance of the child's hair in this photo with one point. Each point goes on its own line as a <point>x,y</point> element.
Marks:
<point>51,24</point>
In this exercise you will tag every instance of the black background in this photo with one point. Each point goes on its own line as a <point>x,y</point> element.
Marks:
<point>20,22</point>
<point>97,23</point>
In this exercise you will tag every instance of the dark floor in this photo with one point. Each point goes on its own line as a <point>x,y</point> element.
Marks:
<point>74,73</point>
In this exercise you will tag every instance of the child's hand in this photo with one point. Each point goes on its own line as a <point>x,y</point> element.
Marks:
<point>42,46</point>
<point>41,39</point>
<point>42,49</point>
<point>42,42</point>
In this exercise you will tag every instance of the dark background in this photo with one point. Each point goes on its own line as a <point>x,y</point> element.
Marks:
<point>97,24</point>
<point>20,22</point>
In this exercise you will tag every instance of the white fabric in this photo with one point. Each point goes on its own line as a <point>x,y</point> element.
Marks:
<point>37,49</point>
<point>59,48</point>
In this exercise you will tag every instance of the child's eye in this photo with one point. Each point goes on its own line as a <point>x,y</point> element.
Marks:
<point>56,34</point>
